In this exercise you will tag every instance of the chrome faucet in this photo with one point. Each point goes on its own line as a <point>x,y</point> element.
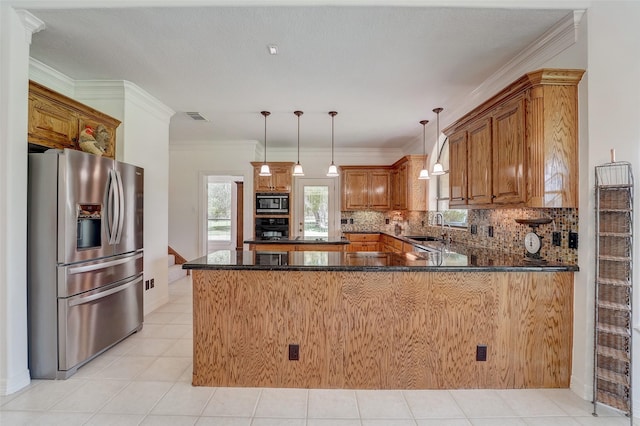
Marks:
<point>441,223</point>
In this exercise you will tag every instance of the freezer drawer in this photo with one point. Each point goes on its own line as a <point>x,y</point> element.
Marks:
<point>91,322</point>
<point>81,277</point>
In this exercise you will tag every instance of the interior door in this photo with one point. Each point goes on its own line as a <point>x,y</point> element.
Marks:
<point>315,210</point>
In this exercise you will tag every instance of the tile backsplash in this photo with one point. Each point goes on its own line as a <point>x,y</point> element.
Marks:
<point>508,235</point>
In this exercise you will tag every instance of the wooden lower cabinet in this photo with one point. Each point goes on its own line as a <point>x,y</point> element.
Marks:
<point>298,247</point>
<point>364,242</point>
<point>382,330</point>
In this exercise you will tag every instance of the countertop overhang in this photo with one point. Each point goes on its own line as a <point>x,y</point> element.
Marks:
<point>300,240</point>
<point>456,258</point>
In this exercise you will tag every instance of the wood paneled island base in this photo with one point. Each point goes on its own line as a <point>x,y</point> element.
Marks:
<point>382,330</point>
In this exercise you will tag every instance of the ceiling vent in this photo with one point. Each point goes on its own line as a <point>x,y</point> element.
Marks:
<point>196,116</point>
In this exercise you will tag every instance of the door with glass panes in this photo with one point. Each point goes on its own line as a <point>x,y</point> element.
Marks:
<point>315,208</point>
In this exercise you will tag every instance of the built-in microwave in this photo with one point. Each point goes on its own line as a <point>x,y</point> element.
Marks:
<point>269,203</point>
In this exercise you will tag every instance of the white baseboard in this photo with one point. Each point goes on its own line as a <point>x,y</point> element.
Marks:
<point>148,308</point>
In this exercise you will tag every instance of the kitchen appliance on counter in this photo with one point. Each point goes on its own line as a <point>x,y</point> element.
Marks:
<point>85,258</point>
<point>272,203</point>
<point>272,228</point>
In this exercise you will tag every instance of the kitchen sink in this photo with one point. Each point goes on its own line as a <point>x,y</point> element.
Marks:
<point>423,238</point>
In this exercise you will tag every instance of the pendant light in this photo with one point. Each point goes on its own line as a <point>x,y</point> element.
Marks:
<point>333,170</point>
<point>424,173</point>
<point>297,169</point>
<point>264,169</point>
<point>437,168</point>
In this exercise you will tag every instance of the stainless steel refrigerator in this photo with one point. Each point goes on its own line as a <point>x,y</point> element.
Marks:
<point>85,258</point>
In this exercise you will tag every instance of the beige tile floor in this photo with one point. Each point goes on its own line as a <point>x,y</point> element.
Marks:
<point>145,380</point>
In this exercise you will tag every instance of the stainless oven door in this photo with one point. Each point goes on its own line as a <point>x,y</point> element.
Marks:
<point>93,321</point>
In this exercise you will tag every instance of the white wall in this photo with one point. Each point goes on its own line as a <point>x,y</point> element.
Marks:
<point>614,120</point>
<point>15,37</point>
<point>187,164</point>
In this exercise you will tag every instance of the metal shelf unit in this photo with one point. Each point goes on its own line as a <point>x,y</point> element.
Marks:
<point>613,287</point>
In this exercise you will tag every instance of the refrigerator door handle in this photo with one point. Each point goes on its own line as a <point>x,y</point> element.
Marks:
<point>86,299</point>
<point>110,205</point>
<point>120,206</point>
<point>97,266</point>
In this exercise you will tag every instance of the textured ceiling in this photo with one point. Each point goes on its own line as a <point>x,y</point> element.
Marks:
<point>382,68</point>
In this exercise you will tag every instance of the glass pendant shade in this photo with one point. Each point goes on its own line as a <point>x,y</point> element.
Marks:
<point>297,169</point>
<point>333,170</point>
<point>264,169</point>
<point>424,174</point>
<point>437,169</point>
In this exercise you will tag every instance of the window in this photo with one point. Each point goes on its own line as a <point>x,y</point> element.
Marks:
<point>452,217</point>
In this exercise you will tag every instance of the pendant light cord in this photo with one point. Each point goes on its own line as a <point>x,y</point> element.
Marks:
<point>298,138</point>
<point>424,142</point>
<point>265,114</point>
<point>332,114</point>
<point>332,139</point>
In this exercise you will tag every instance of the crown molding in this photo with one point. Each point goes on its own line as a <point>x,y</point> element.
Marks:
<point>31,23</point>
<point>51,78</point>
<point>125,91</point>
<point>558,38</point>
<point>146,101</point>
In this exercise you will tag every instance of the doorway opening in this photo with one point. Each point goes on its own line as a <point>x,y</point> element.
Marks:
<point>315,208</point>
<point>219,221</point>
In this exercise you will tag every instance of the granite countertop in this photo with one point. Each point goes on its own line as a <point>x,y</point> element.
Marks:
<point>453,258</point>
<point>301,240</point>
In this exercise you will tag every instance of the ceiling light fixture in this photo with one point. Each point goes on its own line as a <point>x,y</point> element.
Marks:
<point>297,169</point>
<point>264,169</point>
<point>273,49</point>
<point>333,170</point>
<point>424,173</point>
<point>437,168</point>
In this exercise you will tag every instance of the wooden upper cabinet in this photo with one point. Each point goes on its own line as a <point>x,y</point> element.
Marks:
<point>408,192</point>
<point>521,145</point>
<point>399,198</point>
<point>279,181</point>
<point>508,153</point>
<point>380,190</point>
<point>365,188</point>
<point>355,190</point>
<point>479,163</point>
<point>458,169</point>
<point>55,121</point>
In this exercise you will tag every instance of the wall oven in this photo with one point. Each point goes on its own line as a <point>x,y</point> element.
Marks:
<point>271,203</point>
<point>272,228</point>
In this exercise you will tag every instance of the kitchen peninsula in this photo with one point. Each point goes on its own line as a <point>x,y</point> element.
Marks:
<point>299,244</point>
<point>377,320</point>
